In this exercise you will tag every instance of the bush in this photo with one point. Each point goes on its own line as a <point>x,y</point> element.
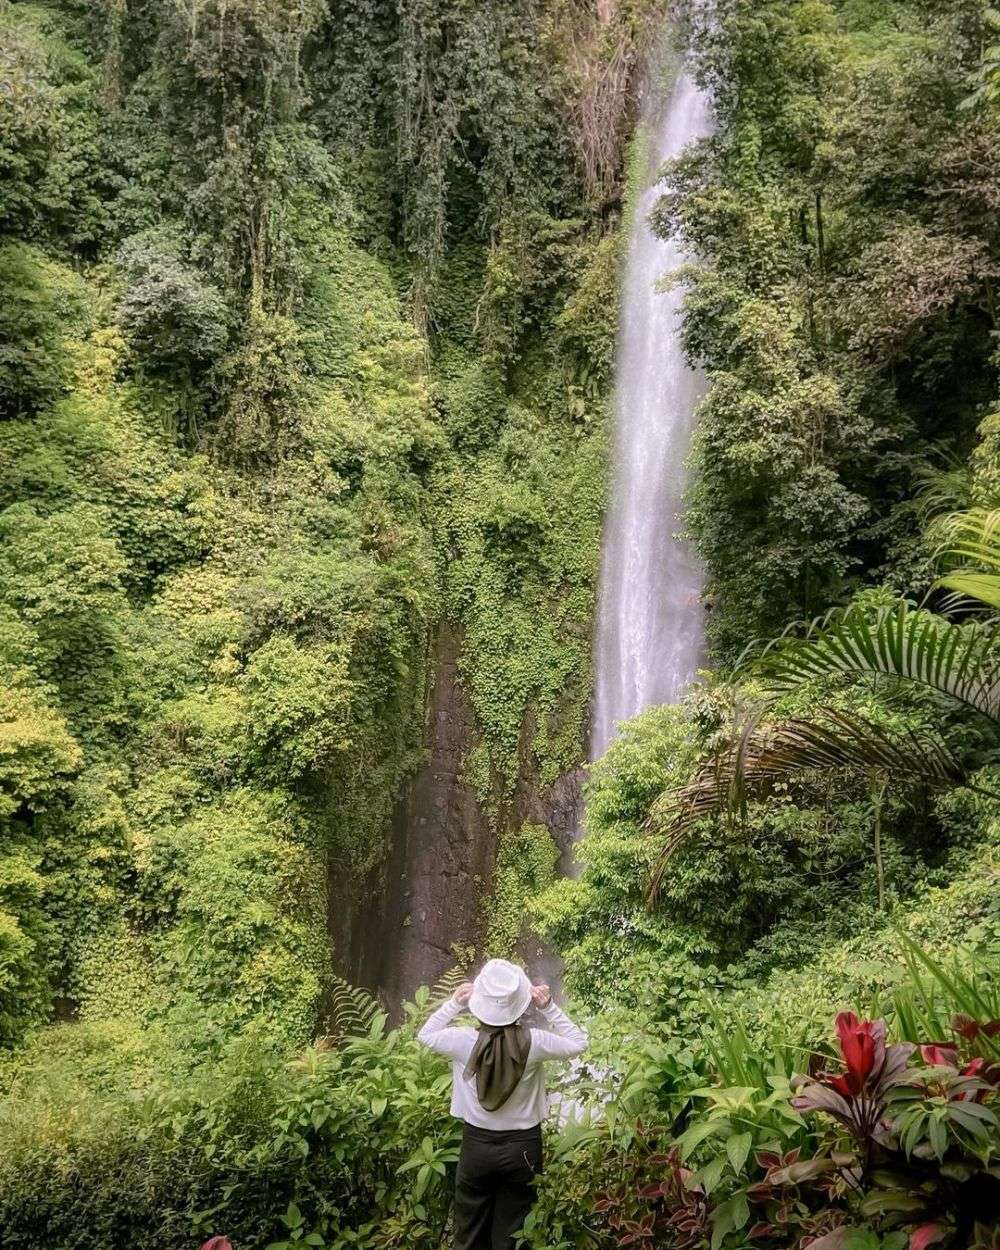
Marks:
<point>42,307</point>
<point>175,320</point>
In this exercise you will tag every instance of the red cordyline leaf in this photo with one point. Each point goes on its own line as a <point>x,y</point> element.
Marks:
<point>940,1054</point>
<point>218,1243</point>
<point>975,1067</point>
<point>845,1084</point>
<point>926,1235</point>
<point>858,1046</point>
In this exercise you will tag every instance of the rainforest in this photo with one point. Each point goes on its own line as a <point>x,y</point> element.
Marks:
<point>507,478</point>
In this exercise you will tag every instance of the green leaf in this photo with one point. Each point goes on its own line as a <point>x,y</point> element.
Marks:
<point>738,1148</point>
<point>860,1239</point>
<point>699,1132</point>
<point>710,1175</point>
<point>729,1217</point>
<point>963,1116</point>
<point>938,1135</point>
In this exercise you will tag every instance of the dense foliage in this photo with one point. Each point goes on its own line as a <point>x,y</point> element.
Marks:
<point>284,380</point>
<point>307,323</point>
<point>845,307</point>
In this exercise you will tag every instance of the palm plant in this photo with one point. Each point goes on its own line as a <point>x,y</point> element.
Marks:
<point>959,659</point>
<point>971,540</point>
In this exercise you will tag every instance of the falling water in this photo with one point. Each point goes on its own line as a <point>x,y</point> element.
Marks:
<point>649,628</point>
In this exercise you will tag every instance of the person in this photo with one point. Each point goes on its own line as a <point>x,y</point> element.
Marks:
<point>498,1091</point>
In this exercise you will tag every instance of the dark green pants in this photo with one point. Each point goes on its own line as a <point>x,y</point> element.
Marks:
<point>494,1188</point>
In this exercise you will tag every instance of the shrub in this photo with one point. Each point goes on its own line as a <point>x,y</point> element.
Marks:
<point>174,319</point>
<point>41,306</point>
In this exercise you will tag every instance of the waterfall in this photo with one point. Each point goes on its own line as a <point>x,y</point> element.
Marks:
<point>649,632</point>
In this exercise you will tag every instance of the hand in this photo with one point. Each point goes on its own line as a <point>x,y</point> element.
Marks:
<point>541,995</point>
<point>463,993</point>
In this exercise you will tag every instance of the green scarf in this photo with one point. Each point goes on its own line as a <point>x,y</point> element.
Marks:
<point>497,1062</point>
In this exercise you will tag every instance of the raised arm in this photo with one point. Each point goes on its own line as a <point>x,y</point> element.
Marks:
<point>436,1033</point>
<point>563,1039</point>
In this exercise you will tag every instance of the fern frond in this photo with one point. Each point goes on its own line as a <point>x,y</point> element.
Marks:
<point>352,1009</point>
<point>448,983</point>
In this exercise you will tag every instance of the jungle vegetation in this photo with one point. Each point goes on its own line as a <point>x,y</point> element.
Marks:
<point>307,325</point>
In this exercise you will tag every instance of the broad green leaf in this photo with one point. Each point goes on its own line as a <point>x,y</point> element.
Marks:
<point>698,1132</point>
<point>710,1175</point>
<point>738,1148</point>
<point>729,1217</point>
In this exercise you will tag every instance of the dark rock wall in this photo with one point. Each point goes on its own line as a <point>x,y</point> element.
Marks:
<point>397,930</point>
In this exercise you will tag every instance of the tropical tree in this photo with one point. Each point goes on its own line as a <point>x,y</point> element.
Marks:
<point>957,656</point>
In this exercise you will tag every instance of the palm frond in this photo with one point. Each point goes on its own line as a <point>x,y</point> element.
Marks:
<point>971,541</point>
<point>970,590</point>
<point>961,661</point>
<point>760,755</point>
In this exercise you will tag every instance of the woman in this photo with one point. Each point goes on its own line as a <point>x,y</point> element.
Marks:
<point>498,1090</point>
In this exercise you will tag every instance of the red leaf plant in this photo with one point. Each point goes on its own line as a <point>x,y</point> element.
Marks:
<point>661,1210</point>
<point>857,1096</point>
<point>892,1174</point>
<point>797,1196</point>
<point>218,1243</point>
<point>970,1029</point>
<point>945,1055</point>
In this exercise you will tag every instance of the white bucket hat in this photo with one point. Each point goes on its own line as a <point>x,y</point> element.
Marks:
<point>500,994</point>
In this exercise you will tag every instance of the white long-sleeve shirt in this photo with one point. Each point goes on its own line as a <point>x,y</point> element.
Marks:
<point>526,1106</point>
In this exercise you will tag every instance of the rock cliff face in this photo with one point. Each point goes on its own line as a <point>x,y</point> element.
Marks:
<point>428,896</point>
<point>441,855</point>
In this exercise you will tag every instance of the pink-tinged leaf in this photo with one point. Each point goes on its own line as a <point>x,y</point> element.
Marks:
<point>830,1241</point>
<point>218,1243</point>
<point>796,1173</point>
<point>965,1026</point>
<point>767,1159</point>
<point>896,1057</point>
<point>763,1229</point>
<point>814,1096</point>
<point>940,1054</point>
<point>926,1235</point>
